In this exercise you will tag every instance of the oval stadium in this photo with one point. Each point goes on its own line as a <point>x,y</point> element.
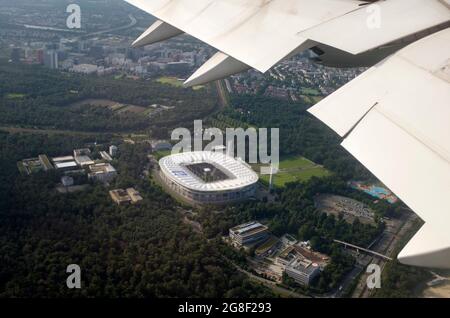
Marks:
<point>204,177</point>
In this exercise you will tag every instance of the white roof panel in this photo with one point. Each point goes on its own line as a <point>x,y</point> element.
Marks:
<point>173,167</point>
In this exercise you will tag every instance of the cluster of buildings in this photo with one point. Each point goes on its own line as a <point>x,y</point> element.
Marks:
<point>300,263</point>
<point>80,163</point>
<point>296,79</point>
<point>295,259</point>
<point>121,196</point>
<point>111,55</point>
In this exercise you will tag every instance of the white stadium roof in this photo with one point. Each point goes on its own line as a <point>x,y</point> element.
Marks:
<point>174,167</point>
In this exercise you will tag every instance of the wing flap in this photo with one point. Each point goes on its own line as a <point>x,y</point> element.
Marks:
<point>396,122</point>
<point>258,33</point>
<point>379,24</point>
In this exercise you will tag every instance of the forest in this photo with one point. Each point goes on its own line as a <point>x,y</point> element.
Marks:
<point>126,251</point>
<point>32,96</point>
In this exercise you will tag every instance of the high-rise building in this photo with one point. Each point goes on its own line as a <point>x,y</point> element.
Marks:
<point>51,59</point>
<point>113,151</point>
<point>16,54</point>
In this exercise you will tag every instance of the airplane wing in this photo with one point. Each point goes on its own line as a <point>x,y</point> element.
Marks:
<point>260,33</point>
<point>395,118</point>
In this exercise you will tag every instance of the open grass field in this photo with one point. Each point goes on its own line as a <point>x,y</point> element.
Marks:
<point>294,169</point>
<point>112,105</point>
<point>15,96</point>
<point>173,81</point>
<point>161,154</point>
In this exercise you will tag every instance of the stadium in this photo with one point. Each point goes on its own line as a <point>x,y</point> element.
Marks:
<point>204,177</point>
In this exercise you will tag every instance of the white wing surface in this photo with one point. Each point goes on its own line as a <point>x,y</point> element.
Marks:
<point>396,120</point>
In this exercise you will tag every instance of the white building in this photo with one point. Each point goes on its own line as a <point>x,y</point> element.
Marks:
<point>302,271</point>
<point>248,233</point>
<point>85,69</point>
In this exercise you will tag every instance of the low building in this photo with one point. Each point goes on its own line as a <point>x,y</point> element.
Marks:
<point>121,196</point>
<point>62,159</point>
<point>82,157</point>
<point>135,196</point>
<point>84,161</point>
<point>67,181</point>
<point>31,165</point>
<point>248,233</point>
<point>81,152</point>
<point>303,271</point>
<point>68,165</point>
<point>286,256</point>
<point>102,172</point>
<point>46,165</point>
<point>105,156</point>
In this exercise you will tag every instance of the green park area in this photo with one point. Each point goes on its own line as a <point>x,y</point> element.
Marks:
<point>15,96</point>
<point>161,154</point>
<point>175,82</point>
<point>172,81</point>
<point>294,169</point>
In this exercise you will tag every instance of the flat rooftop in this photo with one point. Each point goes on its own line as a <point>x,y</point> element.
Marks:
<point>69,164</point>
<point>248,228</point>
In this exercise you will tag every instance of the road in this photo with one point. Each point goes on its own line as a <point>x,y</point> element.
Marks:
<point>222,94</point>
<point>387,245</point>
<point>132,23</point>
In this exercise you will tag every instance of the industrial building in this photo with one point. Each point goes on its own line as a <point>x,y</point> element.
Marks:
<point>102,172</point>
<point>248,233</point>
<point>204,177</point>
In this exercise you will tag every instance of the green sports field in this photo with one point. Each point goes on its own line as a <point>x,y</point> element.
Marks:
<point>294,169</point>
